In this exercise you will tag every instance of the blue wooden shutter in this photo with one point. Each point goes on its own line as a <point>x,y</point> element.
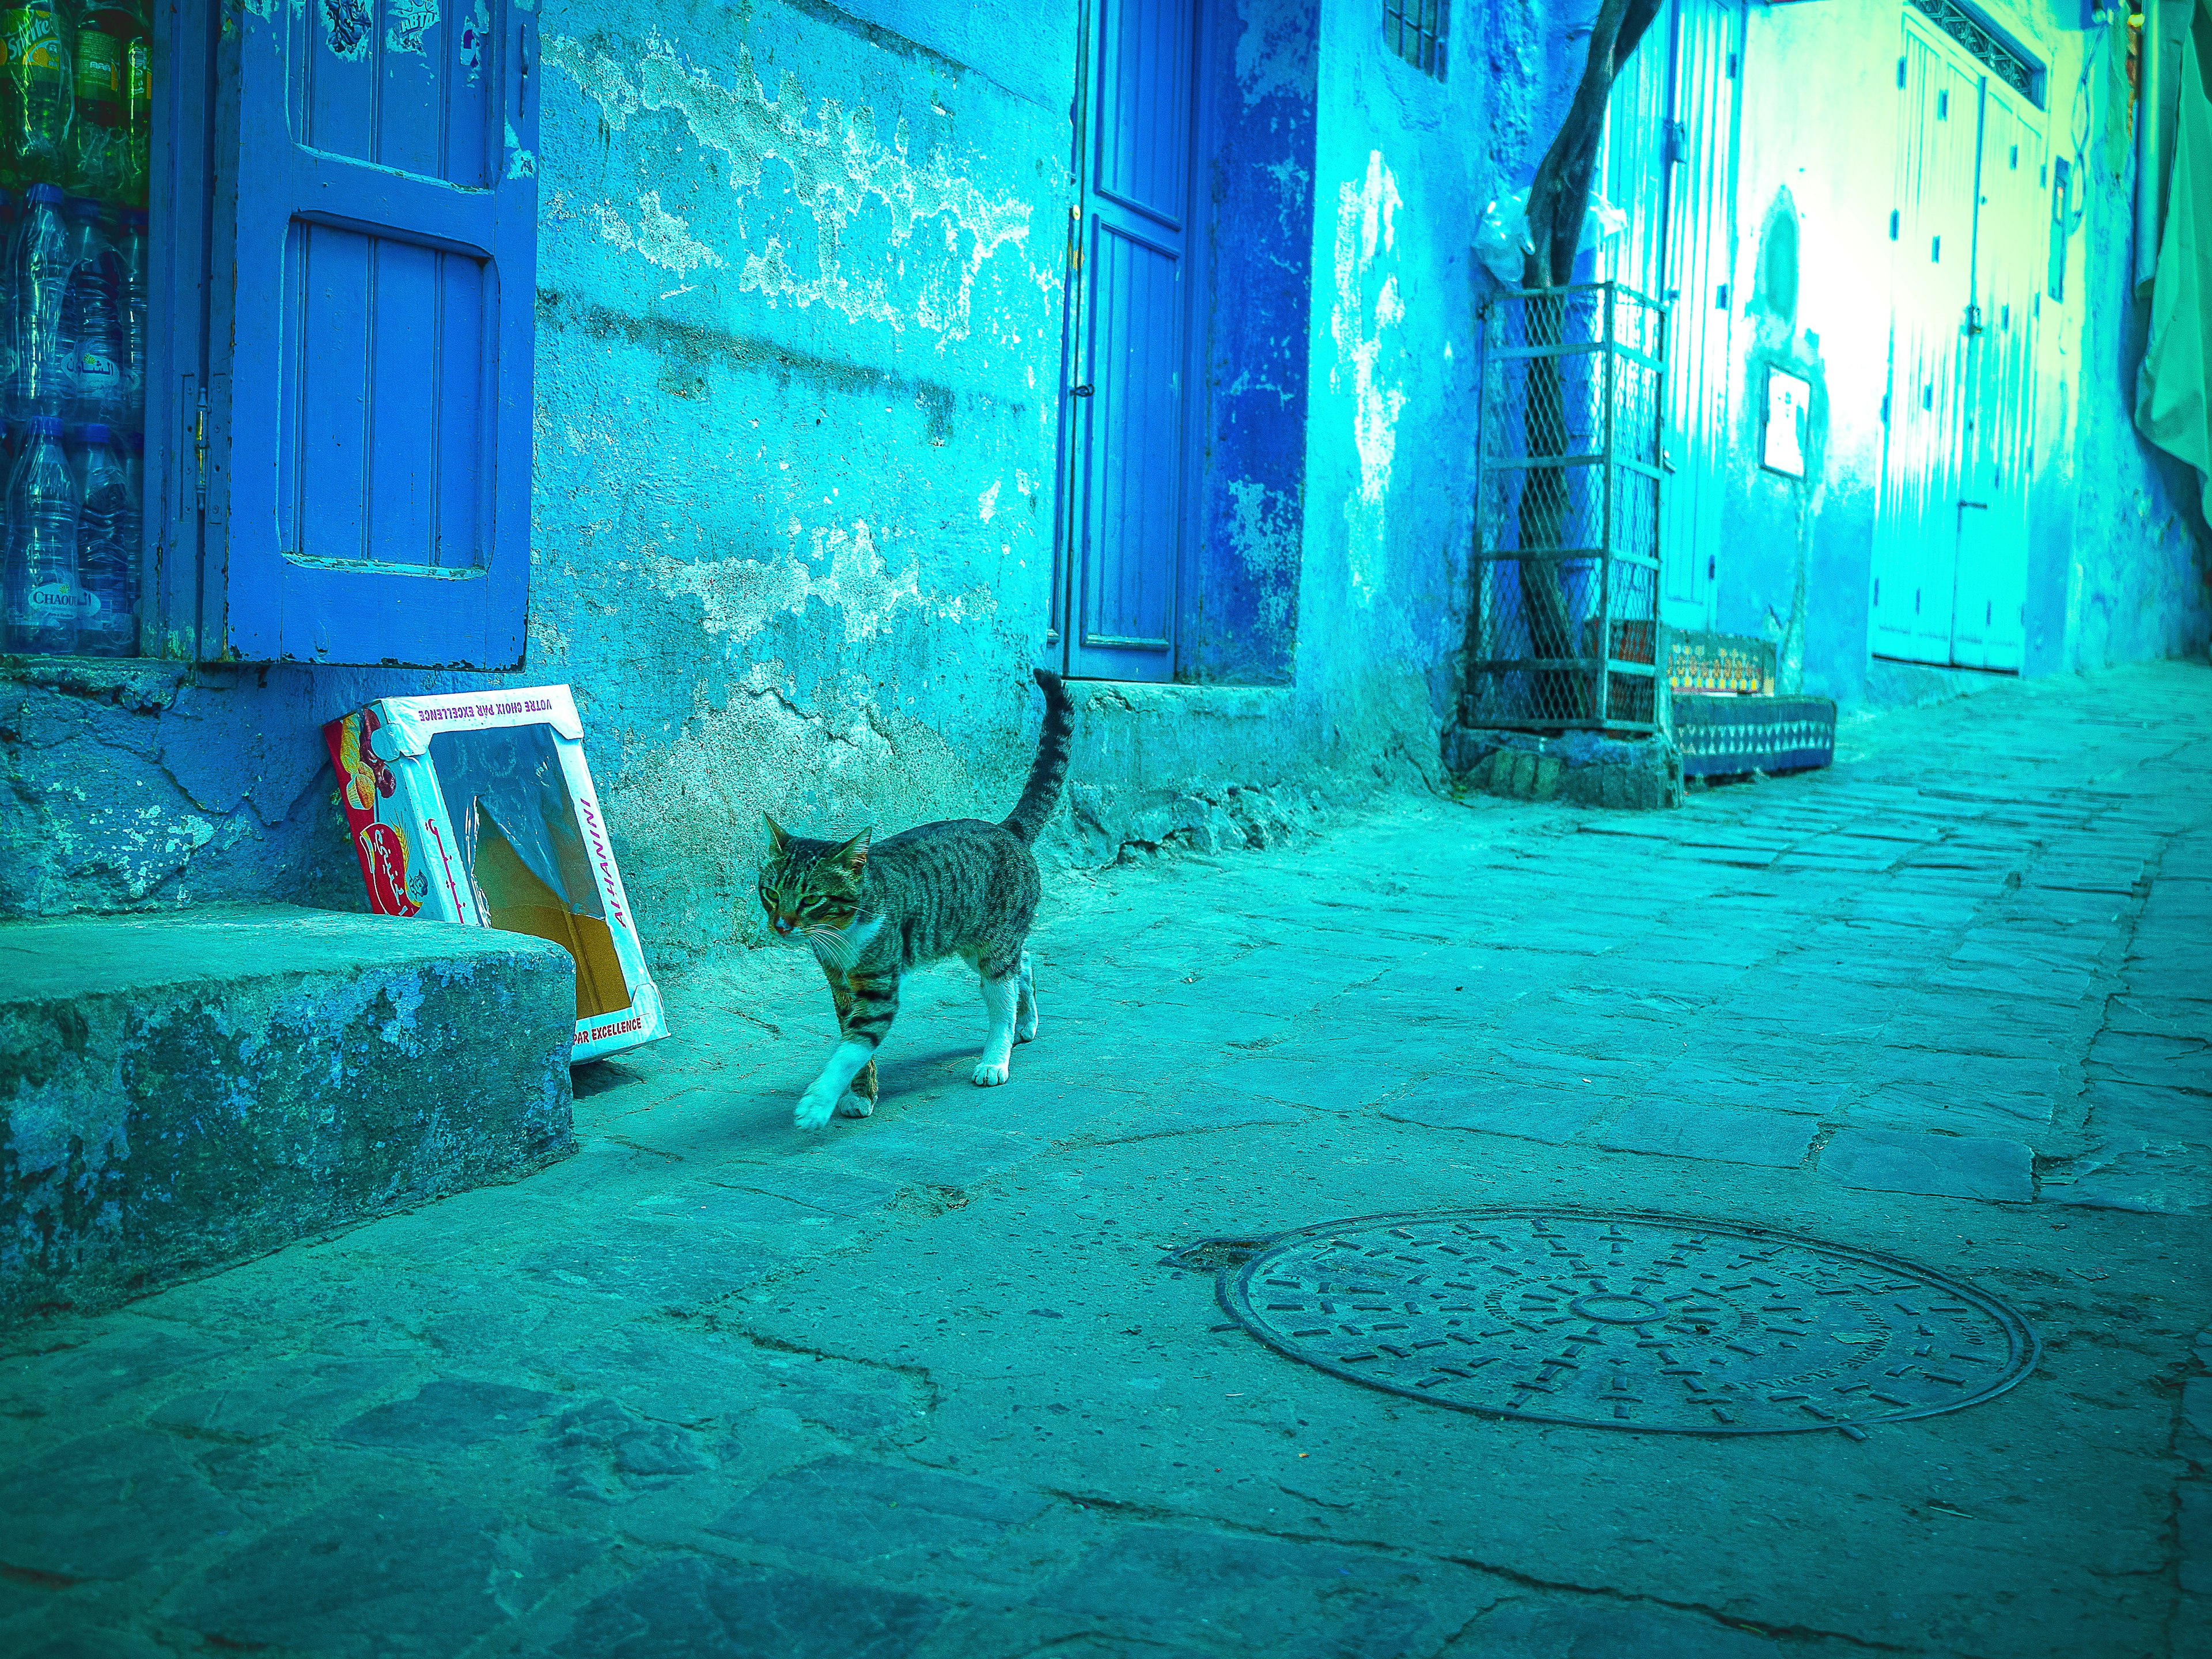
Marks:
<point>1130,462</point>
<point>376,246</point>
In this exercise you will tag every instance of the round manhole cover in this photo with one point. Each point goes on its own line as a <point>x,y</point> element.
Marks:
<point>1629,1322</point>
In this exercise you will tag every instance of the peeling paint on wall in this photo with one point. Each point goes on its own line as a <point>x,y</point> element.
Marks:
<point>349,27</point>
<point>660,236</point>
<point>410,20</point>
<point>1366,231</point>
<point>847,574</point>
<point>840,168</point>
<point>475,29</point>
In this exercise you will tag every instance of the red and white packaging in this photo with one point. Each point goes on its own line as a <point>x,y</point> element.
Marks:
<point>477,807</point>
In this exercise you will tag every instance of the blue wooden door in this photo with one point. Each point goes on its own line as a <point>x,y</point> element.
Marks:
<point>370,495</point>
<point>1915,570</point>
<point>1140,241</point>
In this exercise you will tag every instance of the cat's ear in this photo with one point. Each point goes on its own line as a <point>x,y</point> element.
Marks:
<point>776,839</point>
<point>852,856</point>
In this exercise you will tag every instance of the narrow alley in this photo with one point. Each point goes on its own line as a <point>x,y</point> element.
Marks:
<point>939,1383</point>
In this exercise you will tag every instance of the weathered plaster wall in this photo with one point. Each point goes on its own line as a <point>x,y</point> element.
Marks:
<point>2114,572</point>
<point>798,359</point>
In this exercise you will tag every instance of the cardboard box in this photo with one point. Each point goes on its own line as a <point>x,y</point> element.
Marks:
<point>477,807</point>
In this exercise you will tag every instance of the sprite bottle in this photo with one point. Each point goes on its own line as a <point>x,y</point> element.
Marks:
<point>101,138</point>
<point>38,90</point>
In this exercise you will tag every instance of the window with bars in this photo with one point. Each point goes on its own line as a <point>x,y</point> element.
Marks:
<point>2022,74</point>
<point>1416,31</point>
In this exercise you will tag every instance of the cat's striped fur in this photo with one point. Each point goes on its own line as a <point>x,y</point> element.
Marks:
<point>873,911</point>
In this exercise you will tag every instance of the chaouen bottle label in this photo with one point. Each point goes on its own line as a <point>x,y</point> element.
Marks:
<point>49,603</point>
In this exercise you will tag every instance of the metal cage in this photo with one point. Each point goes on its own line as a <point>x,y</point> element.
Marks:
<point>1564,624</point>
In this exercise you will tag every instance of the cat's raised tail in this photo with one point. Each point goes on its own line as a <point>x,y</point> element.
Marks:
<point>1050,771</point>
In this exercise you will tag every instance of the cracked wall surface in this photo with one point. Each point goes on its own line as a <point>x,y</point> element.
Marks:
<point>800,318</point>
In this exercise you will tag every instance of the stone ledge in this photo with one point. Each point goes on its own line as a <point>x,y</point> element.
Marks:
<point>181,1091</point>
<point>1579,767</point>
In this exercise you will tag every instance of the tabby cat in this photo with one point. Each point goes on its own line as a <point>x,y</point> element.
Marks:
<point>873,912</point>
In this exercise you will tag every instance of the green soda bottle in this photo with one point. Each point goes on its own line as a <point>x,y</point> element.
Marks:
<point>38,90</point>
<point>100,146</point>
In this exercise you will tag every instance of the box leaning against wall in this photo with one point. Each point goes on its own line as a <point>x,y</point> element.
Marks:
<point>477,807</point>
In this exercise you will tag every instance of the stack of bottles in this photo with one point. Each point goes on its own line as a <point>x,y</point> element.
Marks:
<point>75,88</point>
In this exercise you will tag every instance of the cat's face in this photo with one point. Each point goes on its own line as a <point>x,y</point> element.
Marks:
<point>807,896</point>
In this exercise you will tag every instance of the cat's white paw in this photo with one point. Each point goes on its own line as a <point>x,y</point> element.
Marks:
<point>988,1076</point>
<point>813,1109</point>
<point>853,1106</point>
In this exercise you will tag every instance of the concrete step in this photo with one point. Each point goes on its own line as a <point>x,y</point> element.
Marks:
<point>181,1091</point>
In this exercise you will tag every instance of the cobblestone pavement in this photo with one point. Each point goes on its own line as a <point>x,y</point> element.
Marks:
<point>923,1385</point>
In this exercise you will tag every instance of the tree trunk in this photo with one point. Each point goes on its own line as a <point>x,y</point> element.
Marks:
<point>1559,199</point>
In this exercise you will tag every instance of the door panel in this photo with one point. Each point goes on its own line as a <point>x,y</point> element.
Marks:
<point>1988,629</point>
<point>1633,165</point>
<point>1135,444</point>
<point>1701,237</point>
<point>1931,284</point>
<point>371,472</point>
<point>1129,465</point>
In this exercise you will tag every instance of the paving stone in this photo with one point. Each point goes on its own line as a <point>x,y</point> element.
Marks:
<point>2196,1404</point>
<point>695,1609</point>
<point>2157,1061</point>
<point>1949,1111</point>
<point>838,1192</point>
<point>449,1413</point>
<point>851,1510</point>
<point>657,1261</point>
<point>289,1394</point>
<point>120,1356</point>
<point>1525,1114</point>
<point>2148,1179</point>
<point>1950,1166</point>
<point>1681,1129</point>
<point>107,1506</point>
<point>2193,1522</point>
<point>1793,1083</point>
<point>378,1574</point>
<point>1335,1087</point>
<point>1207,1112</point>
<point>604,1451</point>
<point>1530,1629</point>
<point>1266,1595</point>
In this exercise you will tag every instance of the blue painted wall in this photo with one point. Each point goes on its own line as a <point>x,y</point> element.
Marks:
<point>798,363</point>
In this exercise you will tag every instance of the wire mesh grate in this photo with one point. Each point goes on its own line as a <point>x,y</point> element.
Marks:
<point>1564,624</point>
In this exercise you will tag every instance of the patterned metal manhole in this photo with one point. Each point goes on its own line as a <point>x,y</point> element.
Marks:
<point>1629,1322</point>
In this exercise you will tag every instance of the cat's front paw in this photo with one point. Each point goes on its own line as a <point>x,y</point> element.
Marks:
<point>988,1076</point>
<point>853,1105</point>
<point>813,1109</point>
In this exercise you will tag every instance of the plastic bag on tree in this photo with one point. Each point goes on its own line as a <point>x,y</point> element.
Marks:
<point>1502,243</point>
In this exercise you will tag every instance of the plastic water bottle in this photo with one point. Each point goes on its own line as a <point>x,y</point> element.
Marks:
<point>39,599</point>
<point>92,319</point>
<point>130,251</point>
<point>106,549</point>
<point>39,268</point>
<point>8,215</point>
<point>99,144</point>
<point>38,88</point>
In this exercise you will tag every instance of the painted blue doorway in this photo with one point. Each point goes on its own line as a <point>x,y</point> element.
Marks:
<point>1137,249</point>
